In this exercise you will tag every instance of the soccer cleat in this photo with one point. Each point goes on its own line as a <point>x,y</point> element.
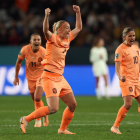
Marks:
<point>65,132</point>
<point>45,121</point>
<point>115,130</point>
<point>37,123</point>
<point>23,124</point>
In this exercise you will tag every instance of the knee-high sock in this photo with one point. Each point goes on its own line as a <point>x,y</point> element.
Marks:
<point>120,116</point>
<point>139,110</point>
<point>40,112</point>
<point>66,119</point>
<point>38,105</point>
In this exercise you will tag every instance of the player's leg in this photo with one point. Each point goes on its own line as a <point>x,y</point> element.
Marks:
<point>68,113</point>
<point>106,86</point>
<point>39,103</point>
<point>67,96</point>
<point>137,96</point>
<point>53,106</point>
<point>97,88</point>
<point>52,98</point>
<point>127,93</point>
<point>138,100</point>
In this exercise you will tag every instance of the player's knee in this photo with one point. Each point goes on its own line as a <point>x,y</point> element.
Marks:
<point>127,105</point>
<point>53,110</point>
<point>37,99</point>
<point>72,106</point>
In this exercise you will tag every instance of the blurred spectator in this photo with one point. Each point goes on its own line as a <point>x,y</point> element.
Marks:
<point>13,38</point>
<point>23,4</point>
<point>103,18</point>
<point>3,38</point>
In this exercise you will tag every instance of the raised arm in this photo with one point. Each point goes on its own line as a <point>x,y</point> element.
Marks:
<point>78,27</point>
<point>117,65</point>
<point>17,68</point>
<point>46,31</point>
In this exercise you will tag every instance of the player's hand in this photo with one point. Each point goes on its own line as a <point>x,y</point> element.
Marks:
<point>76,8</point>
<point>16,81</point>
<point>47,11</point>
<point>123,78</point>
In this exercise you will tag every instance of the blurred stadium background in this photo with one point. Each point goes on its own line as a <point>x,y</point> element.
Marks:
<point>103,18</point>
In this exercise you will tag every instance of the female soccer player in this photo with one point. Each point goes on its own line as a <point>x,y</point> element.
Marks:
<point>33,55</point>
<point>54,83</point>
<point>98,58</point>
<point>127,69</point>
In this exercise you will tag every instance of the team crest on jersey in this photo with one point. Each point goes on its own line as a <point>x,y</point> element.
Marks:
<point>19,54</point>
<point>54,90</point>
<point>117,55</point>
<point>39,59</point>
<point>130,89</point>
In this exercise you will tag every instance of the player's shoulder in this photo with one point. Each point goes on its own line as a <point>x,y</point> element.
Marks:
<point>26,47</point>
<point>135,46</point>
<point>92,49</point>
<point>121,47</point>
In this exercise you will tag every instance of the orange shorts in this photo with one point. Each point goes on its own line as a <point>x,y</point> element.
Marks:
<point>55,85</point>
<point>133,90</point>
<point>33,84</point>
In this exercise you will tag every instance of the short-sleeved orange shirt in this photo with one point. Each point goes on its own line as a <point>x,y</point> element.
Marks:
<point>56,51</point>
<point>129,58</point>
<point>33,60</point>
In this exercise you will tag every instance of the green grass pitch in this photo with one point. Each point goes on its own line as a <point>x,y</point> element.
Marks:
<point>92,120</point>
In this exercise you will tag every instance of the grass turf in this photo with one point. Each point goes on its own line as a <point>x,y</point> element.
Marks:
<point>92,120</point>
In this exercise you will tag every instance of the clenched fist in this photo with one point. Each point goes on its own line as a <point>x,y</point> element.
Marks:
<point>76,8</point>
<point>47,12</point>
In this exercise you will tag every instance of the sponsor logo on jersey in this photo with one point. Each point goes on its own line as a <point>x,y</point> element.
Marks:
<point>33,57</point>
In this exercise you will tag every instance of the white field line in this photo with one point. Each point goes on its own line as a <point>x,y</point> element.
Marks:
<point>90,113</point>
<point>79,124</point>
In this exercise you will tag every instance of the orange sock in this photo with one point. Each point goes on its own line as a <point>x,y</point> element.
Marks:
<point>38,105</point>
<point>121,114</point>
<point>139,110</point>
<point>66,119</point>
<point>40,112</point>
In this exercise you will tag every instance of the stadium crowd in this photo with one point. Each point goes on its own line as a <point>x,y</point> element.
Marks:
<point>102,18</point>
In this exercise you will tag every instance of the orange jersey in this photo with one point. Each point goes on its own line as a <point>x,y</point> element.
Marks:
<point>33,60</point>
<point>129,58</point>
<point>56,51</point>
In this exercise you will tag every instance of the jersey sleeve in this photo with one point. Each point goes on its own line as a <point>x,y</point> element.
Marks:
<point>52,39</point>
<point>71,36</point>
<point>21,54</point>
<point>118,55</point>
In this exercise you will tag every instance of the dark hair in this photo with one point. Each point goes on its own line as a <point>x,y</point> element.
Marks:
<point>57,25</point>
<point>34,34</point>
<point>126,31</point>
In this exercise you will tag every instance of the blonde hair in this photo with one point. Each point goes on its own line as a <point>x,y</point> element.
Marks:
<point>126,31</point>
<point>57,25</point>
